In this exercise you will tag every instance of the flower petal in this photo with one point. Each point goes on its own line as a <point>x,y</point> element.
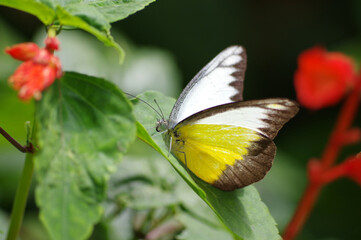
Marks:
<point>322,78</point>
<point>23,51</point>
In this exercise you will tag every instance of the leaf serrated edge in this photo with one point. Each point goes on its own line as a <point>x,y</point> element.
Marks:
<point>65,18</point>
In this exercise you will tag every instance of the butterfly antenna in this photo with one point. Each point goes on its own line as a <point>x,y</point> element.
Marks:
<point>160,110</point>
<point>160,114</point>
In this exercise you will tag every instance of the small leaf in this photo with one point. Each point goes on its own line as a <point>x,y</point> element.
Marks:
<point>242,211</point>
<point>84,125</point>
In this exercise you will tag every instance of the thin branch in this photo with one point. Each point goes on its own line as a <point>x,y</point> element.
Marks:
<point>26,148</point>
<point>329,156</point>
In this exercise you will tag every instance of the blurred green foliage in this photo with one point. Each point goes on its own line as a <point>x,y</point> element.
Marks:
<point>184,36</point>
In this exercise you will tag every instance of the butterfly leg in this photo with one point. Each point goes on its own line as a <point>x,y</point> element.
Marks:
<point>185,165</point>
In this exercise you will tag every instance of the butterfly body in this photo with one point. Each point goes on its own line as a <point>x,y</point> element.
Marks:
<point>222,140</point>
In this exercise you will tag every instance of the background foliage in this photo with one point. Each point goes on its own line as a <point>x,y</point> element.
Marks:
<point>171,41</point>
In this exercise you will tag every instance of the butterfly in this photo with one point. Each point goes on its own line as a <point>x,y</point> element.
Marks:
<point>224,141</point>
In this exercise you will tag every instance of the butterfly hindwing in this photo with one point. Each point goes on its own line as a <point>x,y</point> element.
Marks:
<point>230,146</point>
<point>252,168</point>
<point>227,157</point>
<point>219,82</point>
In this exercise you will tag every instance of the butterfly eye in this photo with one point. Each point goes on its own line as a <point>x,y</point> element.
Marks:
<point>162,126</point>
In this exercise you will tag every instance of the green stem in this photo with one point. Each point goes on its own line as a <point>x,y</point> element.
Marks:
<point>21,198</point>
<point>52,31</point>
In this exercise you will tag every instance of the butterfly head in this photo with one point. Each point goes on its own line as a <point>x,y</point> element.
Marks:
<point>162,126</point>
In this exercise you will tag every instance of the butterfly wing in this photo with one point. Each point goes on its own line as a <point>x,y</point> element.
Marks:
<point>230,146</point>
<point>219,82</point>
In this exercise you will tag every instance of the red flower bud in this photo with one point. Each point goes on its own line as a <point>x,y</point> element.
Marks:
<point>322,77</point>
<point>23,51</point>
<point>52,43</point>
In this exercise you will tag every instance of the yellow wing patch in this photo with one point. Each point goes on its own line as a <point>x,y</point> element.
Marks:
<point>207,149</point>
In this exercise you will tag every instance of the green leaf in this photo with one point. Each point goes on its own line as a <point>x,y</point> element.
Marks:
<point>96,26</point>
<point>146,182</point>
<point>118,10</point>
<point>138,185</point>
<point>84,126</point>
<point>148,117</point>
<point>91,16</point>
<point>195,229</point>
<point>242,211</point>
<point>42,11</point>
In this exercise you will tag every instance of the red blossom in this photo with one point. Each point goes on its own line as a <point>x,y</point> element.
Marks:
<point>31,78</point>
<point>23,51</point>
<point>322,77</point>
<point>39,70</point>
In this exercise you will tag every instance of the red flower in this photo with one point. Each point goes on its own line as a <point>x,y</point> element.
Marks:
<point>322,78</point>
<point>39,70</point>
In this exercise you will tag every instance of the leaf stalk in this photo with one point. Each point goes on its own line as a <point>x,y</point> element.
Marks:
<point>21,197</point>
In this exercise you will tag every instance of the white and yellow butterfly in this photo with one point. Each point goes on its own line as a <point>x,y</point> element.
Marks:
<point>223,140</point>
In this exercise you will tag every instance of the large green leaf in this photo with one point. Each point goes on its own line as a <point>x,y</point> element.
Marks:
<point>37,8</point>
<point>242,211</point>
<point>84,126</point>
<point>118,10</point>
<point>91,16</point>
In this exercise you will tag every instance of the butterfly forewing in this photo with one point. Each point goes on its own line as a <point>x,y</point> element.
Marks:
<point>219,82</point>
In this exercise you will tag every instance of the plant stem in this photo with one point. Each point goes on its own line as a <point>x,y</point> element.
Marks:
<point>21,198</point>
<point>24,149</point>
<point>329,156</point>
<point>304,208</point>
<point>344,121</point>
